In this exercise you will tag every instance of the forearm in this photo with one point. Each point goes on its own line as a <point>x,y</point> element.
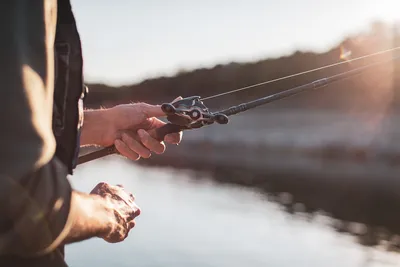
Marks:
<point>45,212</point>
<point>93,127</point>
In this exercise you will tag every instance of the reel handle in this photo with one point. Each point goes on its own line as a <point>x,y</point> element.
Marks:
<point>160,134</point>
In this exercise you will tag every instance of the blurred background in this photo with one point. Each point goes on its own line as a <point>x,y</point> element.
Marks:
<point>311,180</point>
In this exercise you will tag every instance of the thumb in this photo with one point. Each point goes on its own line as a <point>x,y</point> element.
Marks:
<point>155,110</point>
<point>151,110</point>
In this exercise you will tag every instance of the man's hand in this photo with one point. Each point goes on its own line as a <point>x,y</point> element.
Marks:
<point>108,212</point>
<point>122,208</point>
<point>130,127</point>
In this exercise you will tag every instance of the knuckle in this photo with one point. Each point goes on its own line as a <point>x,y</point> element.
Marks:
<point>117,187</point>
<point>118,144</point>
<point>102,185</point>
<point>145,138</point>
<point>140,104</point>
<point>144,106</point>
<point>127,137</point>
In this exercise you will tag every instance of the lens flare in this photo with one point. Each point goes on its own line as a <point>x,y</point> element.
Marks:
<point>345,54</point>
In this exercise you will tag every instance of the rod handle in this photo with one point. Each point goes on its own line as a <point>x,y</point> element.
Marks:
<point>168,128</point>
<point>159,134</point>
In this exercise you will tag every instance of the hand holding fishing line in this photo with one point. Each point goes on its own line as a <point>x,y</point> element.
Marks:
<point>122,208</point>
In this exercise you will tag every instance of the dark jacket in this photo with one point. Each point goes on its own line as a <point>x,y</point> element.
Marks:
<point>38,150</point>
<point>70,90</point>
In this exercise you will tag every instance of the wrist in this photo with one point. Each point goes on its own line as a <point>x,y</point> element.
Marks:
<point>95,127</point>
<point>92,217</point>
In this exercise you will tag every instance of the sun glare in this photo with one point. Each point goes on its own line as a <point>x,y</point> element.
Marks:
<point>344,53</point>
<point>387,10</point>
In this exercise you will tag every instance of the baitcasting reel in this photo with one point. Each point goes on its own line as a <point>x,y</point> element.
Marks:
<point>191,113</point>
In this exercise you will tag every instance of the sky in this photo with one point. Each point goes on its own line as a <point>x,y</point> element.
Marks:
<point>127,41</point>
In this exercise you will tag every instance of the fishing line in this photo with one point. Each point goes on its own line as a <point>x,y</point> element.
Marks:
<point>191,113</point>
<point>300,73</point>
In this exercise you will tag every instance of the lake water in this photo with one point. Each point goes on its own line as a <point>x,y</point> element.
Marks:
<point>306,129</point>
<point>187,221</point>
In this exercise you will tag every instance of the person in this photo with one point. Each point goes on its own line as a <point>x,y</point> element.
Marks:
<point>44,125</point>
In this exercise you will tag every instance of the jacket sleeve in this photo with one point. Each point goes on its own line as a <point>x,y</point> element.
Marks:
<point>35,193</point>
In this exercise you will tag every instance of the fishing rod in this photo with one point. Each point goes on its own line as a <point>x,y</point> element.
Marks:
<point>191,113</point>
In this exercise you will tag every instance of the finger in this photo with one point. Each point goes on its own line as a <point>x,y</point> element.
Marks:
<point>154,110</point>
<point>135,146</point>
<point>125,151</point>
<point>134,213</point>
<point>127,199</point>
<point>174,138</point>
<point>130,196</point>
<point>151,143</point>
<point>155,123</point>
<point>137,210</point>
<point>127,196</point>
<point>131,224</point>
<point>119,190</point>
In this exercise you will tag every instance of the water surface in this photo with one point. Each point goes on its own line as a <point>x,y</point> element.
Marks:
<point>187,221</point>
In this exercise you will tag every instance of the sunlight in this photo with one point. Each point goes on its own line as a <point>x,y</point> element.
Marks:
<point>345,54</point>
<point>386,10</point>
<point>265,29</point>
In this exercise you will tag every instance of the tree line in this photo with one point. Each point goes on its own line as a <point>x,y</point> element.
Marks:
<point>378,88</point>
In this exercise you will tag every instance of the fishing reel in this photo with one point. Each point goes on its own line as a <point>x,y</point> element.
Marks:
<point>190,112</point>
